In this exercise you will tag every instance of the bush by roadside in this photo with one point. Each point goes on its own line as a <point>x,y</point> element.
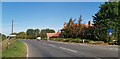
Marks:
<point>15,49</point>
<point>96,42</point>
<point>78,40</point>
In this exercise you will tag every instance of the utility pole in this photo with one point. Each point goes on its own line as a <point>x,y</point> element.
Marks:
<point>12,26</point>
<point>8,43</point>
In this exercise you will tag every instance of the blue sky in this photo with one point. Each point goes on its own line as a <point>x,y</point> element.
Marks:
<point>0,17</point>
<point>44,14</point>
<point>55,0</point>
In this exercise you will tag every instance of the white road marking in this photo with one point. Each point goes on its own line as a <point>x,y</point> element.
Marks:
<point>68,49</point>
<point>61,47</point>
<point>27,49</point>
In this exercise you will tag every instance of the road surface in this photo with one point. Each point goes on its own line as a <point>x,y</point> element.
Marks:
<point>56,49</point>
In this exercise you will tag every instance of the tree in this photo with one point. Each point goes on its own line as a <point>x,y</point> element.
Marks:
<point>37,32</point>
<point>80,27</point>
<point>80,20</point>
<point>68,31</point>
<point>50,31</point>
<point>106,18</point>
<point>21,35</point>
<point>30,34</point>
<point>72,30</point>
<point>118,33</point>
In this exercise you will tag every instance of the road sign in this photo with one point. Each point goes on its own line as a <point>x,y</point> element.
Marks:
<point>110,30</point>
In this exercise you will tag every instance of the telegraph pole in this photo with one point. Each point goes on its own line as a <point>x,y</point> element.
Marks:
<point>8,43</point>
<point>12,26</point>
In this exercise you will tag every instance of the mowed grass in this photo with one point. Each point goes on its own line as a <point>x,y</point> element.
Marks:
<point>16,49</point>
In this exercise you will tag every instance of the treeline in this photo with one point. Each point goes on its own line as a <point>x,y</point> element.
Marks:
<point>29,34</point>
<point>108,17</point>
<point>33,33</point>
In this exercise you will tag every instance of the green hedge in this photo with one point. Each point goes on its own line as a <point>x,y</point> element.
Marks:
<point>75,40</point>
<point>96,42</point>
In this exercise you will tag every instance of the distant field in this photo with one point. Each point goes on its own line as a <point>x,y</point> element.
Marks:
<point>15,49</point>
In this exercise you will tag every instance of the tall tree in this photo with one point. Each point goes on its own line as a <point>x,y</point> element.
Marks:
<point>106,19</point>
<point>72,30</point>
<point>118,32</point>
<point>37,32</point>
<point>70,23</point>
<point>80,20</point>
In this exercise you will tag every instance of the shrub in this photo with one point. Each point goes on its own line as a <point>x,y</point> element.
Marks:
<point>58,39</point>
<point>75,40</point>
<point>99,42</point>
<point>51,38</point>
<point>66,40</point>
<point>92,42</point>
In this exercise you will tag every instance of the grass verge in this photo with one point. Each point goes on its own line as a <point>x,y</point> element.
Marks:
<point>16,49</point>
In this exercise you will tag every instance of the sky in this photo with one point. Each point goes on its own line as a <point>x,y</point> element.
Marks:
<point>0,17</point>
<point>54,0</point>
<point>43,15</point>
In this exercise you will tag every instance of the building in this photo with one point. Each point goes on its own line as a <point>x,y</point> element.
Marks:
<point>53,35</point>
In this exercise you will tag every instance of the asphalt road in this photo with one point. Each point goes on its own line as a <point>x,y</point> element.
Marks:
<point>56,49</point>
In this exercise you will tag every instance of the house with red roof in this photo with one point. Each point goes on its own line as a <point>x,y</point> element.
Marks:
<point>54,35</point>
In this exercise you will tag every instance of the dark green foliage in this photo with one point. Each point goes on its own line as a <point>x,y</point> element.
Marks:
<point>106,18</point>
<point>37,32</point>
<point>32,34</point>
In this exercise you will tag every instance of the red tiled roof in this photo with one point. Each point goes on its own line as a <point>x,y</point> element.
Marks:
<point>53,34</point>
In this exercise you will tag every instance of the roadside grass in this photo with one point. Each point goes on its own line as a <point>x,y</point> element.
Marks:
<point>15,49</point>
